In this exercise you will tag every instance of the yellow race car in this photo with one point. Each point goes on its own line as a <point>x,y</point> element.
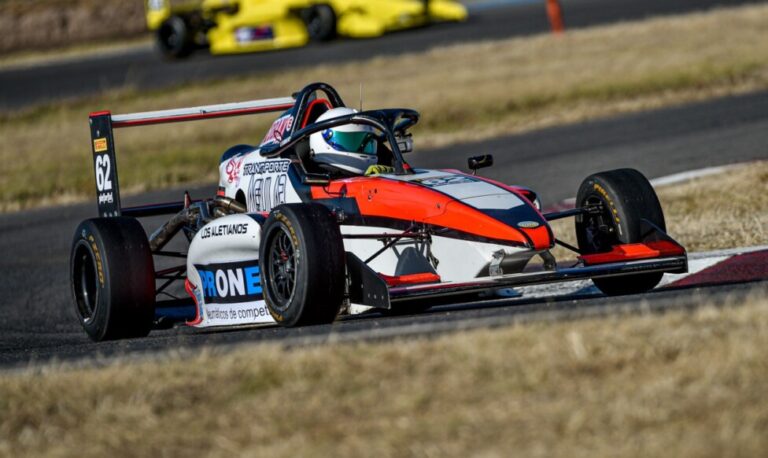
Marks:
<point>239,26</point>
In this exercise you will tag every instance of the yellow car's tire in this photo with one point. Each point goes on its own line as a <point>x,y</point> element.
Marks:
<point>320,21</point>
<point>175,38</point>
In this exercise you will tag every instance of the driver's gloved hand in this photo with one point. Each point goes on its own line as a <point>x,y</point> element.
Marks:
<point>378,170</point>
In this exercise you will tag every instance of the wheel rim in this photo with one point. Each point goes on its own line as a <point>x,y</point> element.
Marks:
<point>282,265</point>
<point>314,24</point>
<point>600,231</point>
<point>85,280</point>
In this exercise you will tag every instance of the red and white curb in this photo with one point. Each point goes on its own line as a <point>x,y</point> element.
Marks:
<point>726,266</point>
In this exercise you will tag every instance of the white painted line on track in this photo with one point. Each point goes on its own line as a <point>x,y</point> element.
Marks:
<point>682,177</point>
<point>727,252</point>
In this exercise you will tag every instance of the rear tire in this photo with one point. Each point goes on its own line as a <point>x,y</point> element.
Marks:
<point>112,278</point>
<point>320,21</point>
<point>176,38</point>
<point>302,265</point>
<point>627,197</point>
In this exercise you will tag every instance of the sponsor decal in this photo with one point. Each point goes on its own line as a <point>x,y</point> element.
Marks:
<point>605,195</point>
<point>97,255</point>
<point>230,283</point>
<point>248,34</point>
<point>100,145</point>
<point>260,168</point>
<point>278,130</point>
<point>106,198</point>
<point>223,229</point>
<point>266,193</point>
<point>435,182</point>
<point>528,224</point>
<point>228,315</point>
<point>233,169</point>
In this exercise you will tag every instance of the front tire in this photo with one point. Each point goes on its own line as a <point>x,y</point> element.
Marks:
<point>320,21</point>
<point>112,278</point>
<point>626,198</point>
<point>301,258</point>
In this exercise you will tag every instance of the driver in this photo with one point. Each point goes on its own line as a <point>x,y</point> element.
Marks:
<point>349,148</point>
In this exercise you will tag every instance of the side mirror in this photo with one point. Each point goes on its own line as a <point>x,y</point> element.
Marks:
<point>404,143</point>
<point>479,162</point>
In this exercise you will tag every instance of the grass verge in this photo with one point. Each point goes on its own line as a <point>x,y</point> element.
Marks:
<point>679,384</point>
<point>465,92</point>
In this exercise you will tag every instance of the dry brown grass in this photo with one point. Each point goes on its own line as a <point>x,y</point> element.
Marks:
<point>56,24</point>
<point>465,92</point>
<point>679,384</point>
<point>727,210</point>
<point>724,211</point>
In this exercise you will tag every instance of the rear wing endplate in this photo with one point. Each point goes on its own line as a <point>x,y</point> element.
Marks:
<point>103,123</point>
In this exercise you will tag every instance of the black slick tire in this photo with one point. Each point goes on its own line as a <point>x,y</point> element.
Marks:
<point>626,197</point>
<point>320,21</point>
<point>301,257</point>
<point>175,38</point>
<point>112,278</point>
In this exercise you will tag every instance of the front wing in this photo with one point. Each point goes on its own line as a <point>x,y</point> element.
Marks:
<point>676,264</point>
<point>374,292</point>
<point>657,252</point>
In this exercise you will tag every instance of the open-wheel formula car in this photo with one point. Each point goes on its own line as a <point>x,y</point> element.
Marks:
<point>326,217</point>
<point>239,26</point>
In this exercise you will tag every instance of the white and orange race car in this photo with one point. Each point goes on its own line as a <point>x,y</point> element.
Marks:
<point>326,217</point>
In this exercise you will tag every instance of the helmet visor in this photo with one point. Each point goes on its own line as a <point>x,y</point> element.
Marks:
<point>351,142</point>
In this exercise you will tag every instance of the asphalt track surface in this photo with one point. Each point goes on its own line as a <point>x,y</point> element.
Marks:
<point>37,321</point>
<point>143,68</point>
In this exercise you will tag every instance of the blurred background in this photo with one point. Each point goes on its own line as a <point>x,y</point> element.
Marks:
<point>476,69</point>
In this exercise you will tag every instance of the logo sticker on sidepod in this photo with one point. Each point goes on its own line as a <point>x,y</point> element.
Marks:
<point>528,224</point>
<point>230,283</point>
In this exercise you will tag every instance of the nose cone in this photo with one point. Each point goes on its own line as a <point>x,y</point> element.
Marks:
<point>456,205</point>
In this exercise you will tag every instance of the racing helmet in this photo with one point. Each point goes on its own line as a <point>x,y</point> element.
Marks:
<point>349,147</point>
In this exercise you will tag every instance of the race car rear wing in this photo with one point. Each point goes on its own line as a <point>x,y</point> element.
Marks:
<point>103,123</point>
